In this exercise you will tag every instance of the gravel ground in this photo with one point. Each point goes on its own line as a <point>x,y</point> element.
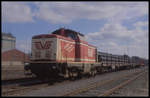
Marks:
<point>101,89</point>
<point>138,87</point>
<point>59,90</point>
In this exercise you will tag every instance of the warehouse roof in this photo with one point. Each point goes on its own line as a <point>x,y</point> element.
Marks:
<point>14,55</point>
<point>8,35</point>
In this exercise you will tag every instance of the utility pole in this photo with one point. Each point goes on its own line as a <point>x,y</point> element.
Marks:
<point>24,55</point>
<point>128,50</point>
<point>107,57</point>
<point>128,54</point>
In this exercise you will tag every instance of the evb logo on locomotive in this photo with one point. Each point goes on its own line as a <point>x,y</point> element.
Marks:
<point>40,46</point>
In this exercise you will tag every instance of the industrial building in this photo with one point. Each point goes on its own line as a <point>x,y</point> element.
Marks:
<point>14,57</point>
<point>8,42</point>
<point>10,55</point>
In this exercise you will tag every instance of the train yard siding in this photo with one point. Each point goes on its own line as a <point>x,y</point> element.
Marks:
<point>60,90</point>
<point>139,87</point>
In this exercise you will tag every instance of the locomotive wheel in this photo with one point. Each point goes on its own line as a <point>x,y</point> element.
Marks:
<point>92,73</point>
<point>71,76</point>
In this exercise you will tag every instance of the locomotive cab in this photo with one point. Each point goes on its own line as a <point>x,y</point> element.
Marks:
<point>69,34</point>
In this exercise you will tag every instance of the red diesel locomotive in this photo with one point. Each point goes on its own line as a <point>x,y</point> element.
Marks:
<point>64,52</point>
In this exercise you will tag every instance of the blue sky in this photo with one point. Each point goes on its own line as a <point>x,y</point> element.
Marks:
<point>114,27</point>
<point>39,27</point>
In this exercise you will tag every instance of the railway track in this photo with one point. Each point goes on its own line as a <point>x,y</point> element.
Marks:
<point>105,88</point>
<point>26,86</point>
<point>17,80</point>
<point>13,89</point>
<point>14,86</point>
<point>110,91</point>
<point>36,84</point>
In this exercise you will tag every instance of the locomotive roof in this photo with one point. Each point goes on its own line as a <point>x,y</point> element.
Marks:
<point>67,30</point>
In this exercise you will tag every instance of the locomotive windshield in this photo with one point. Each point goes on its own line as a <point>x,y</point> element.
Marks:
<point>56,32</point>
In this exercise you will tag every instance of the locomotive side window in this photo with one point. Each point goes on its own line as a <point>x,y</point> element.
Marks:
<point>71,35</point>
